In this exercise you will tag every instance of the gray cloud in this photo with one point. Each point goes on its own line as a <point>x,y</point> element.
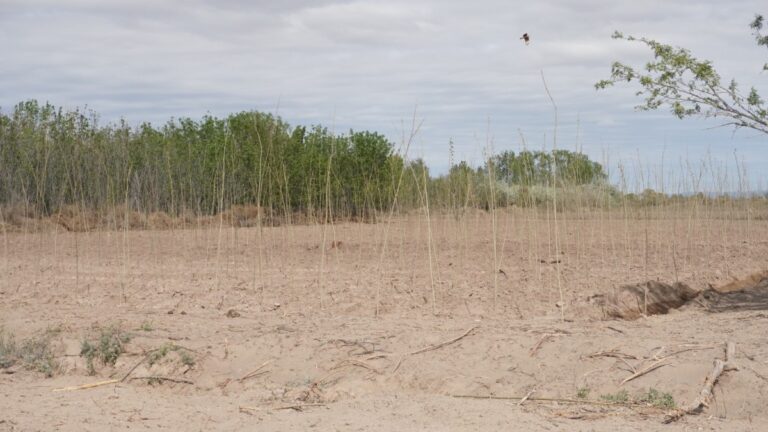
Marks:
<point>368,64</point>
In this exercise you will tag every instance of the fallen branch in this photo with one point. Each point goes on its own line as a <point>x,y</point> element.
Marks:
<point>705,394</point>
<point>87,386</point>
<point>160,378</point>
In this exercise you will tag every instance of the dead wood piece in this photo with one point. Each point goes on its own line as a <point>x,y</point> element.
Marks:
<point>87,386</point>
<point>702,400</point>
<point>161,378</point>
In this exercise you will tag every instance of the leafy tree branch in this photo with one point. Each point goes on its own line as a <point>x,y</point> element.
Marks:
<point>691,87</point>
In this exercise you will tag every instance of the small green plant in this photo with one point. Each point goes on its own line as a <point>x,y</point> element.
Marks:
<point>657,399</point>
<point>34,353</point>
<point>619,397</point>
<point>8,355</point>
<point>583,392</point>
<point>147,326</point>
<point>158,354</point>
<point>652,398</point>
<point>107,348</point>
<point>186,358</point>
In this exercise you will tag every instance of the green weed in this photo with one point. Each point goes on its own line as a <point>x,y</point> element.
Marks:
<point>107,348</point>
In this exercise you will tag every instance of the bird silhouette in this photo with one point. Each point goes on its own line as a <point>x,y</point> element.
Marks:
<point>526,38</point>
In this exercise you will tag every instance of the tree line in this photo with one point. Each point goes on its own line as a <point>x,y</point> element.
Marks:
<point>51,157</point>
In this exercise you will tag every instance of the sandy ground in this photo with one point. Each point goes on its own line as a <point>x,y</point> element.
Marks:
<point>301,303</point>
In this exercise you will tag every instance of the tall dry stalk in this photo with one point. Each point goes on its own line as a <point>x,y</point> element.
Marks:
<point>414,131</point>
<point>429,242</point>
<point>494,229</point>
<point>554,199</point>
<point>327,220</point>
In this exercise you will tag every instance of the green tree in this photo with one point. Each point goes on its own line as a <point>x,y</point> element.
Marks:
<point>761,39</point>
<point>692,87</point>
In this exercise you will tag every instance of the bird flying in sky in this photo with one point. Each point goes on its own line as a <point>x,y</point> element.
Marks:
<point>526,38</point>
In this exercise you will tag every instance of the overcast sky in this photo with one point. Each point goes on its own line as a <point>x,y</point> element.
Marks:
<point>368,65</point>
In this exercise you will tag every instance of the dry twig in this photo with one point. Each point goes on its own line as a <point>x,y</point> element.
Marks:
<point>87,386</point>
<point>299,407</point>
<point>161,378</point>
<point>355,362</point>
<point>612,353</point>
<point>653,366</point>
<point>546,399</point>
<point>255,372</point>
<point>442,344</point>
<point>538,345</point>
<point>425,349</point>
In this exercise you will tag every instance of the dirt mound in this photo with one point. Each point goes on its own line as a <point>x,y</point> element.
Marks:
<point>631,302</point>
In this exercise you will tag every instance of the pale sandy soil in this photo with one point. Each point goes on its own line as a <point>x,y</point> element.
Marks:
<point>307,305</point>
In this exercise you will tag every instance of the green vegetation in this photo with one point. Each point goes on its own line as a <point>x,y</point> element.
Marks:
<point>657,399</point>
<point>106,348</point>
<point>53,161</point>
<point>583,392</point>
<point>652,398</point>
<point>692,87</point>
<point>184,356</point>
<point>34,353</point>
<point>621,396</point>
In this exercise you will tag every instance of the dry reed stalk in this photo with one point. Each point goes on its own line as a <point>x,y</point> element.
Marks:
<point>554,213</point>
<point>414,130</point>
<point>429,243</point>
<point>221,216</point>
<point>255,372</point>
<point>653,366</point>
<point>327,220</point>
